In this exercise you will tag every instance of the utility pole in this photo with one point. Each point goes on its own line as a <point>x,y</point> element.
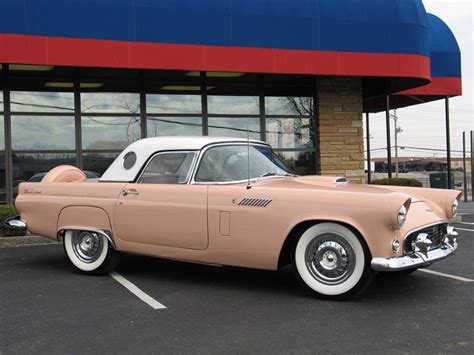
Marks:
<point>396,129</point>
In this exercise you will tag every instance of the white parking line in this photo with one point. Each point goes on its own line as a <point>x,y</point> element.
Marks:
<point>470,223</point>
<point>464,229</point>
<point>459,278</point>
<point>136,291</point>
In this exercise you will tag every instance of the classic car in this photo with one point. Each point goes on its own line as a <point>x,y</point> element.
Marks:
<point>228,201</point>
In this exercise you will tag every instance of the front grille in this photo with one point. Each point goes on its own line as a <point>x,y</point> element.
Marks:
<point>436,234</point>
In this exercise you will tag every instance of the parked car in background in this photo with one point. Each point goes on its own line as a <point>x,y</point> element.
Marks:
<point>228,201</point>
<point>39,176</point>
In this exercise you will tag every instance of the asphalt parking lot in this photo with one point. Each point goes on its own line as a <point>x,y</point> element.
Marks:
<point>47,307</point>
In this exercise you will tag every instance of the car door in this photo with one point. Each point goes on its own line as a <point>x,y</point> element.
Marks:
<point>161,208</point>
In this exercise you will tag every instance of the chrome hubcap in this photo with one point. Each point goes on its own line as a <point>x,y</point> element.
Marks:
<point>330,259</point>
<point>87,245</point>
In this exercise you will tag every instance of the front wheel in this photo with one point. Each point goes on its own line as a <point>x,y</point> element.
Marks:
<point>331,261</point>
<point>89,251</point>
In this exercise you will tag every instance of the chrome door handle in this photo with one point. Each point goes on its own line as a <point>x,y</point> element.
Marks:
<point>126,192</point>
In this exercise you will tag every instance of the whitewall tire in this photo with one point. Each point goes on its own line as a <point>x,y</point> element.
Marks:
<point>331,261</point>
<point>89,251</point>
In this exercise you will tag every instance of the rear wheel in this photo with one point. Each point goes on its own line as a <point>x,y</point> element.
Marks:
<point>89,251</point>
<point>331,261</point>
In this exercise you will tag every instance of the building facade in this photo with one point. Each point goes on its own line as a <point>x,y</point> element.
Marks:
<point>76,89</point>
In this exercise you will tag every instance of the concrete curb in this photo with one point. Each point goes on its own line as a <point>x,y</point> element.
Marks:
<point>24,241</point>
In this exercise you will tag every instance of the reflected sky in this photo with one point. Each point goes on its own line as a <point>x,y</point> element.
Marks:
<point>109,132</point>
<point>43,133</point>
<point>174,126</point>
<point>30,101</point>
<point>234,127</point>
<point>173,104</point>
<point>290,132</point>
<point>298,106</point>
<point>239,105</point>
<point>110,103</point>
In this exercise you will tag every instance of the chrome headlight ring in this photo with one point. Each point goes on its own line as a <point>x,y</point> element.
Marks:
<point>402,216</point>
<point>454,208</point>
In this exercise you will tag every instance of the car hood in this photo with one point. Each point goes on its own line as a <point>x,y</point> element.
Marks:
<point>439,200</point>
<point>335,183</point>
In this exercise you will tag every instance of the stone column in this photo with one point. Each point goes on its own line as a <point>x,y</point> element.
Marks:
<point>341,138</point>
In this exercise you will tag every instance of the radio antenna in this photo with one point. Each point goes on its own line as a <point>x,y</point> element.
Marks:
<point>248,158</point>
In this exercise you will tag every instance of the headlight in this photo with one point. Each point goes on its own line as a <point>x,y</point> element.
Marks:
<point>402,216</point>
<point>454,208</point>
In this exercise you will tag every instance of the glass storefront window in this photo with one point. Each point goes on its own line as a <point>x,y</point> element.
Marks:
<point>34,101</point>
<point>290,132</point>
<point>3,193</point>
<point>25,166</point>
<point>234,127</point>
<point>98,162</point>
<point>302,163</point>
<point>43,133</point>
<point>173,104</point>
<point>109,132</point>
<point>289,106</point>
<point>238,105</point>
<point>174,126</point>
<point>2,132</point>
<point>102,102</point>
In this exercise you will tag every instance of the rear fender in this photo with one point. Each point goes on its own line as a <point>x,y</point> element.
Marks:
<point>85,218</point>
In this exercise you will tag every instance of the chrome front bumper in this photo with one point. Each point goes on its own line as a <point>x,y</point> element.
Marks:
<point>15,223</point>
<point>422,257</point>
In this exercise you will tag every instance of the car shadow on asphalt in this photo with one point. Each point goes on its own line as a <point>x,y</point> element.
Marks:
<point>386,286</point>
<point>177,275</point>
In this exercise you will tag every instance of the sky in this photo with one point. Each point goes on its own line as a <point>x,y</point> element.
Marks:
<point>424,125</point>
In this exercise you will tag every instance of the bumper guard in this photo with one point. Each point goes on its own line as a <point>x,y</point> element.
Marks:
<point>422,256</point>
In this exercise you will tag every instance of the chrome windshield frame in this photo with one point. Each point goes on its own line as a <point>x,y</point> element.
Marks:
<point>205,149</point>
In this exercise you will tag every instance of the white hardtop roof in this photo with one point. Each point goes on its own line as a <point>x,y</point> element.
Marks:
<point>144,148</point>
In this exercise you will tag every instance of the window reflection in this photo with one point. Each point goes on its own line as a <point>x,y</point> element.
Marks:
<point>174,126</point>
<point>109,132</point>
<point>289,106</point>
<point>290,132</point>
<point>98,162</point>
<point>2,132</point>
<point>33,101</point>
<point>240,105</point>
<point>173,104</point>
<point>302,163</point>
<point>27,165</point>
<point>43,133</point>
<point>234,127</point>
<point>110,103</point>
<point>2,178</point>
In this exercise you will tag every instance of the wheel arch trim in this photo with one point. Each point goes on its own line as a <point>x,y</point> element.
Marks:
<point>300,227</point>
<point>106,233</point>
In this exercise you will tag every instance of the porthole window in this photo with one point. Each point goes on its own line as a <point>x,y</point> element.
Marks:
<point>129,160</point>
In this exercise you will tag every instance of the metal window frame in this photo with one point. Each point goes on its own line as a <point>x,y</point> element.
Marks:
<point>143,116</point>
<point>188,175</point>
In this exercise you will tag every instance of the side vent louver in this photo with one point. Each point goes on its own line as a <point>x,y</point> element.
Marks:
<point>255,202</point>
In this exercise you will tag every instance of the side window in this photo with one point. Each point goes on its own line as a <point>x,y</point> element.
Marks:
<point>167,168</point>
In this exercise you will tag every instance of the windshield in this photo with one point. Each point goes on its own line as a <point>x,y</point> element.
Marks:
<point>229,163</point>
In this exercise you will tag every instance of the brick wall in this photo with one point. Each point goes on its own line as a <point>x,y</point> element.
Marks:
<point>341,128</point>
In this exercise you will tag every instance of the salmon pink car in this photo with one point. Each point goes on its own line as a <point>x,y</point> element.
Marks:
<point>228,201</point>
